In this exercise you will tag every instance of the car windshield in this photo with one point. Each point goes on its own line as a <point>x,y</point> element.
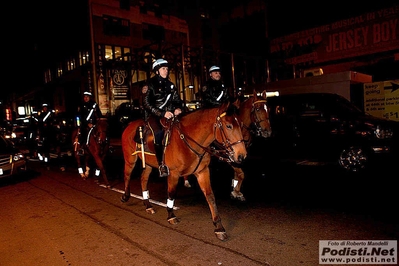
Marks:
<point>346,106</point>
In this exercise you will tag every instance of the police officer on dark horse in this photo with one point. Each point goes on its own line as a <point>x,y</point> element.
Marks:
<point>161,99</point>
<point>88,114</point>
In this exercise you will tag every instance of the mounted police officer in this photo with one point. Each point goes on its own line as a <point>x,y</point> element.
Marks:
<point>214,92</point>
<point>161,99</point>
<point>88,114</point>
<point>46,119</point>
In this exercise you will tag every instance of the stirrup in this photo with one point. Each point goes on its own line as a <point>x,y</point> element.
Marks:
<point>163,170</point>
<point>80,152</point>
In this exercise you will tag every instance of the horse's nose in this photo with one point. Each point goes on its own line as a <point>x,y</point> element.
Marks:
<point>241,158</point>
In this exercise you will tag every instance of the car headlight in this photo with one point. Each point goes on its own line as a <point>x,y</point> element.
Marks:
<point>383,133</point>
<point>18,156</point>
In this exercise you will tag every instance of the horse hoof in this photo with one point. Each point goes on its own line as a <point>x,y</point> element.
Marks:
<point>237,196</point>
<point>174,220</point>
<point>150,210</point>
<point>125,198</point>
<point>187,184</point>
<point>83,176</point>
<point>221,235</point>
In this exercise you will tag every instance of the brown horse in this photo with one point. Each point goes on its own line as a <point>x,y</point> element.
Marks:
<point>97,147</point>
<point>187,152</point>
<point>254,116</point>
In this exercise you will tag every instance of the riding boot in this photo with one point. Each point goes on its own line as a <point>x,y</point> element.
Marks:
<point>163,168</point>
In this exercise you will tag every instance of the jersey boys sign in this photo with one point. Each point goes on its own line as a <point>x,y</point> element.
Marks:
<point>366,34</point>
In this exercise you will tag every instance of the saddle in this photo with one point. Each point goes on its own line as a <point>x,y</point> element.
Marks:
<point>145,134</point>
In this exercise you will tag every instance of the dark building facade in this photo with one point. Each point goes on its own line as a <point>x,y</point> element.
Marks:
<point>107,47</point>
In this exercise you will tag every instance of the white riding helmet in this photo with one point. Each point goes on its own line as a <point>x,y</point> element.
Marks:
<point>87,93</point>
<point>214,68</point>
<point>158,64</point>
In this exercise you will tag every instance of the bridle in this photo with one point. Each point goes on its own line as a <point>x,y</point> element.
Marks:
<point>225,151</point>
<point>255,127</point>
<point>99,133</point>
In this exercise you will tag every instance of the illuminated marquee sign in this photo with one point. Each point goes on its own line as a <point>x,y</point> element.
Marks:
<point>369,33</point>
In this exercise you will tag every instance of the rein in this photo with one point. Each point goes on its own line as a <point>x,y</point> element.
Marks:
<point>97,131</point>
<point>223,155</point>
<point>254,127</point>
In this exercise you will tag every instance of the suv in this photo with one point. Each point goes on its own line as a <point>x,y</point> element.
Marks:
<point>12,161</point>
<point>313,128</point>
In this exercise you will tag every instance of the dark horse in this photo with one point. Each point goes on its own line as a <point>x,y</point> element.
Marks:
<point>97,147</point>
<point>254,116</point>
<point>187,152</point>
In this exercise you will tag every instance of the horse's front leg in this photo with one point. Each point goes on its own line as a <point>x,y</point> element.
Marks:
<point>101,170</point>
<point>145,176</point>
<point>173,180</point>
<point>236,183</point>
<point>204,183</point>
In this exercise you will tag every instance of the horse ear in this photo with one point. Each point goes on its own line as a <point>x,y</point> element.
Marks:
<point>232,108</point>
<point>264,95</point>
<point>255,94</point>
<point>236,103</point>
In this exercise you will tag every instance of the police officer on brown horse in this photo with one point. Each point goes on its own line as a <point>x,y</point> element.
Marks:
<point>161,99</point>
<point>214,93</point>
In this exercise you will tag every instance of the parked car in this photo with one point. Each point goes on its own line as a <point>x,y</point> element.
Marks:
<point>12,160</point>
<point>312,128</point>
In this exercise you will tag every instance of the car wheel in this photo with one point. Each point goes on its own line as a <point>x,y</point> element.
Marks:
<point>353,159</point>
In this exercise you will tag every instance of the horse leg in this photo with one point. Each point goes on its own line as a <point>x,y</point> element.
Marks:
<point>130,162</point>
<point>145,175</point>
<point>172,185</point>
<point>236,183</point>
<point>101,169</point>
<point>86,159</point>
<point>205,184</point>
<point>78,159</point>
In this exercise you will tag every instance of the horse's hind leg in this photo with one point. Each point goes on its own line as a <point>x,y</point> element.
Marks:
<point>145,175</point>
<point>236,185</point>
<point>130,162</point>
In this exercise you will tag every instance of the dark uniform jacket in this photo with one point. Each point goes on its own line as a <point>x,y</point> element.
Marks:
<point>89,112</point>
<point>214,93</point>
<point>45,123</point>
<point>161,96</point>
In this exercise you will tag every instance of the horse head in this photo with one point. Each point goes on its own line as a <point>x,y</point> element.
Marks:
<point>101,131</point>
<point>228,133</point>
<point>260,123</point>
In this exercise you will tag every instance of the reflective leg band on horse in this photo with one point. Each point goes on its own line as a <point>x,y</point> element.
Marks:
<point>80,170</point>
<point>146,195</point>
<point>170,203</point>
<point>97,172</point>
<point>234,183</point>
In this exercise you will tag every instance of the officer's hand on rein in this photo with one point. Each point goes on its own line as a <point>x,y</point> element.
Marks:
<point>177,112</point>
<point>168,115</point>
